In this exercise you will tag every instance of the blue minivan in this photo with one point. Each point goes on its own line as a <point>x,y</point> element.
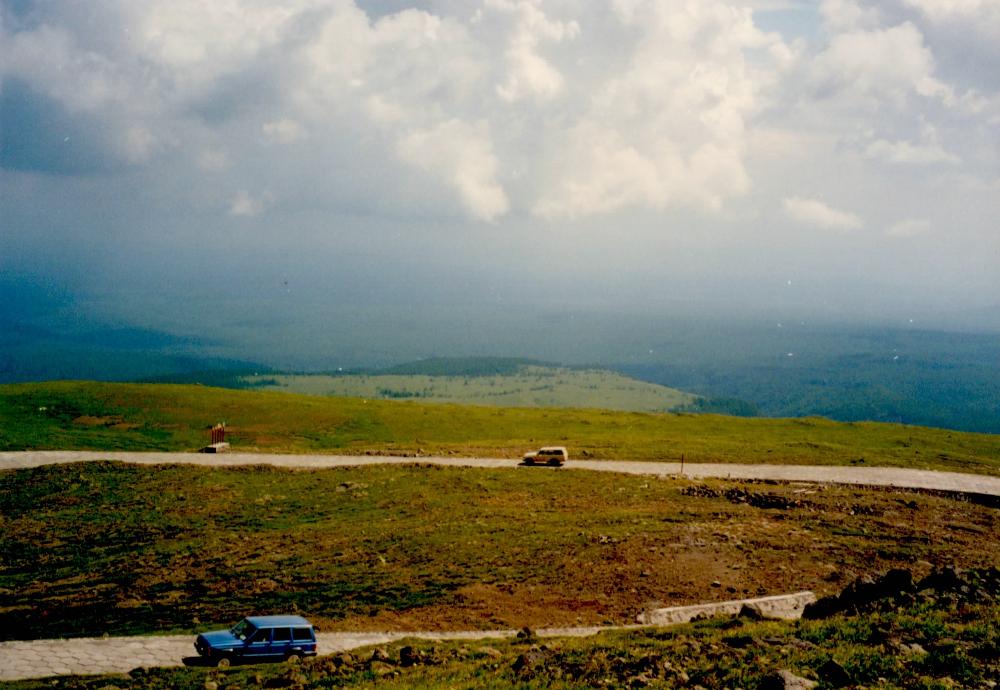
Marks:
<point>259,638</point>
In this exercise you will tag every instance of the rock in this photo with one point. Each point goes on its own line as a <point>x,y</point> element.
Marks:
<point>491,652</point>
<point>894,582</point>
<point>379,655</point>
<point>381,668</point>
<point>785,680</point>
<point>716,583</point>
<point>409,656</point>
<point>824,607</point>
<point>750,612</point>
<point>529,662</point>
<point>526,633</point>
<point>640,681</point>
<point>344,659</point>
<point>833,674</point>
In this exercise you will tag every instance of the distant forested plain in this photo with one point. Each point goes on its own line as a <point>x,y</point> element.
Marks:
<point>752,367</point>
<point>918,377</point>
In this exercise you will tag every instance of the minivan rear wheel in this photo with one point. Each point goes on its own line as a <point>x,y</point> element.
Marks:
<point>294,658</point>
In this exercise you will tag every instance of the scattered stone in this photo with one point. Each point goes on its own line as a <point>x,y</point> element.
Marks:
<point>381,668</point>
<point>343,659</point>
<point>943,587</point>
<point>380,655</point>
<point>491,652</point>
<point>526,633</point>
<point>640,681</point>
<point>409,656</point>
<point>529,662</point>
<point>833,674</point>
<point>740,641</point>
<point>785,680</point>
<point>716,583</point>
<point>750,612</point>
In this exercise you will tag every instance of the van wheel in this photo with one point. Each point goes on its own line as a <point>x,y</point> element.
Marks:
<point>294,658</point>
<point>529,461</point>
<point>554,463</point>
<point>223,662</point>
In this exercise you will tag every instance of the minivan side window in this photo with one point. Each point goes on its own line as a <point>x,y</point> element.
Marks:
<point>282,635</point>
<point>302,634</point>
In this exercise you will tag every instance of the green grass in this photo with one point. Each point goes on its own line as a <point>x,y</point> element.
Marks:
<point>103,547</point>
<point>528,386</point>
<point>106,416</point>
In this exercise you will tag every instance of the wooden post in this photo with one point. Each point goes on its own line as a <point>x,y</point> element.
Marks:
<point>682,463</point>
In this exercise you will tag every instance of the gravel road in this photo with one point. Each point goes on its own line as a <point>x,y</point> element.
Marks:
<point>976,484</point>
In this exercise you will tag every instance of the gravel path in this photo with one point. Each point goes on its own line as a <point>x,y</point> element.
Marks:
<point>94,655</point>
<point>976,484</point>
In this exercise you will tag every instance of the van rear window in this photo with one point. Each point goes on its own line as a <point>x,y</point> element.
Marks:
<point>302,634</point>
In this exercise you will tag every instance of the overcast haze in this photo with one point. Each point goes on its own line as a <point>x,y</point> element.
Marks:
<point>840,159</point>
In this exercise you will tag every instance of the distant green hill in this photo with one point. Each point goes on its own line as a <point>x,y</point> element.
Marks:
<point>109,416</point>
<point>501,382</point>
<point>464,366</point>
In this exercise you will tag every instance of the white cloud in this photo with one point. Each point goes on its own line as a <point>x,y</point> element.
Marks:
<point>892,62</point>
<point>908,228</point>
<point>247,205</point>
<point>815,212</point>
<point>670,128</point>
<point>528,74</point>
<point>284,131</point>
<point>461,156</point>
<point>213,160</point>
<point>941,10</point>
<point>505,106</point>
<point>909,152</point>
<point>846,15</point>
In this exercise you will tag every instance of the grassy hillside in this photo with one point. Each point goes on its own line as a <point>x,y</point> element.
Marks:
<point>91,415</point>
<point>108,547</point>
<point>525,385</point>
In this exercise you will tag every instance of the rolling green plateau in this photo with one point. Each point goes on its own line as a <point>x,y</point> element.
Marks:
<point>105,547</point>
<point>528,386</point>
<point>158,417</point>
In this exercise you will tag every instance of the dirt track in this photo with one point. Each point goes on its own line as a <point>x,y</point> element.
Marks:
<point>88,656</point>
<point>975,484</point>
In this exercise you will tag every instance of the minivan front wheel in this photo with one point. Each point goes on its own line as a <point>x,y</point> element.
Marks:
<point>223,662</point>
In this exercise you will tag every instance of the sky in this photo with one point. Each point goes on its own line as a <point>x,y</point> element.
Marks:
<point>840,158</point>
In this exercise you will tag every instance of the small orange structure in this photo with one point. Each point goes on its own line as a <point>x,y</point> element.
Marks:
<point>218,444</point>
<point>219,433</point>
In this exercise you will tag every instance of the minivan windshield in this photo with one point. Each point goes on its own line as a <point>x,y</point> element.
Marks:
<point>243,629</point>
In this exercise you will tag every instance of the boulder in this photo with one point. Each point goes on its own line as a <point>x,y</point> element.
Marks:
<point>834,675</point>
<point>785,680</point>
